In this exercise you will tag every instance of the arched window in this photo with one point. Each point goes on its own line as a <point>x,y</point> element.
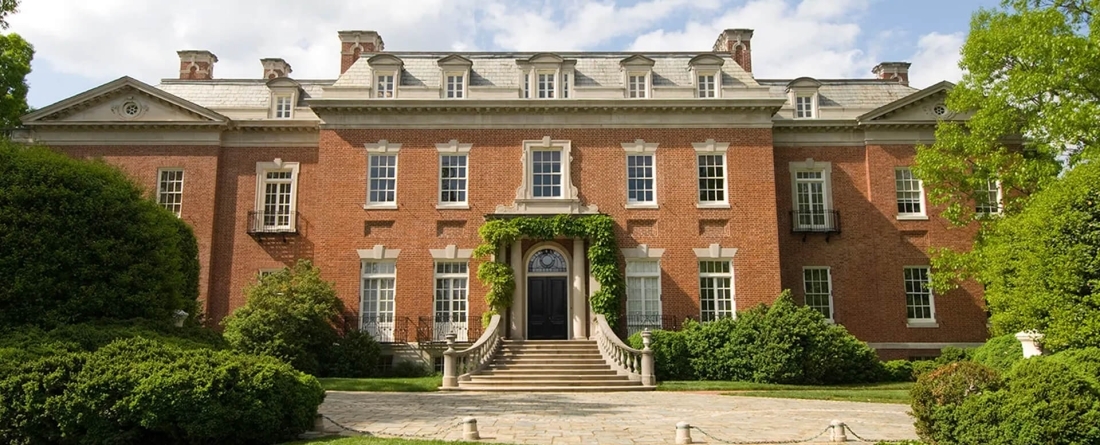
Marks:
<point>547,261</point>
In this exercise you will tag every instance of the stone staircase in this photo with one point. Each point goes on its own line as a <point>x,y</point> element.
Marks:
<point>550,365</point>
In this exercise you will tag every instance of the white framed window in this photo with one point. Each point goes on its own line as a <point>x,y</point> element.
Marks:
<point>526,85</point>
<point>817,287</point>
<point>382,179</point>
<point>170,189</point>
<point>643,295</point>
<point>804,106</point>
<point>452,179</point>
<point>640,179</point>
<point>712,178</point>
<point>920,308</point>
<point>376,302</point>
<point>546,173</point>
<point>385,86</point>
<point>989,199</point>
<point>545,84</point>
<point>456,86</point>
<point>565,85</point>
<point>451,284</point>
<point>706,87</point>
<point>284,107</point>
<point>268,272</point>
<point>812,195</point>
<point>546,185</point>
<point>716,299</point>
<point>637,86</point>
<point>276,196</point>
<point>910,194</point>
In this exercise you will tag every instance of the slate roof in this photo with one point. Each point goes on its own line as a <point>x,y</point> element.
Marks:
<point>849,93</point>
<point>234,93</point>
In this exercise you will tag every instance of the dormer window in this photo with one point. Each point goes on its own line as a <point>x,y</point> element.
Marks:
<point>387,75</point>
<point>284,96</point>
<point>546,76</point>
<point>707,72</point>
<point>637,72</point>
<point>455,75</point>
<point>284,108</point>
<point>803,94</point>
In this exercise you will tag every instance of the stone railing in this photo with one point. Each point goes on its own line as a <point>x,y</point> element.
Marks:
<point>460,364</point>
<point>636,364</point>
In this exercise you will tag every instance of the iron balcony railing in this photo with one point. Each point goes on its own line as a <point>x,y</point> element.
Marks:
<point>278,223</point>
<point>435,329</point>
<point>385,328</point>
<point>817,221</point>
<point>636,322</point>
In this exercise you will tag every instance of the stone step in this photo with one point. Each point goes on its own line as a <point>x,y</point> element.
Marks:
<point>549,342</point>
<point>552,355</point>
<point>549,382</point>
<point>547,367</point>
<point>493,388</point>
<point>536,377</point>
<point>544,361</point>
<point>551,346</point>
<point>568,372</point>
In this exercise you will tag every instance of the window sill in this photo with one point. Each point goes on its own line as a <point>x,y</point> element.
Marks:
<point>717,205</point>
<point>452,206</point>
<point>912,217</point>
<point>922,324</point>
<point>641,206</point>
<point>388,206</point>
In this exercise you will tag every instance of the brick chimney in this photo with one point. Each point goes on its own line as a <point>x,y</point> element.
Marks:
<point>275,68</point>
<point>354,43</point>
<point>736,42</point>
<point>197,64</point>
<point>898,71</point>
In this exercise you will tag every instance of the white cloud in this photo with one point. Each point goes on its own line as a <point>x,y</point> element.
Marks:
<point>936,59</point>
<point>815,38</point>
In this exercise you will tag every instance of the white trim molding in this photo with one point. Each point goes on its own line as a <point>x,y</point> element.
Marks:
<point>643,251</point>
<point>383,146</point>
<point>527,203</point>
<point>715,251</point>
<point>639,146</point>
<point>709,146</point>
<point>378,252</point>
<point>453,147</point>
<point>451,253</point>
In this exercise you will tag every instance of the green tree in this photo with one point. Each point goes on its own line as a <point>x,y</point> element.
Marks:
<point>15,64</point>
<point>80,242</point>
<point>1032,96</point>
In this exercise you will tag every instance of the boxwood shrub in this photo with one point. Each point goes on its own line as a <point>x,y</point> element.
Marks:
<point>670,354</point>
<point>143,391</point>
<point>999,352</point>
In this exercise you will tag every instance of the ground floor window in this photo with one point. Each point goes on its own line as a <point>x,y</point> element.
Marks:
<point>817,285</point>
<point>918,296</point>
<point>377,300</point>
<point>451,280</point>
<point>716,290</point>
<point>643,296</point>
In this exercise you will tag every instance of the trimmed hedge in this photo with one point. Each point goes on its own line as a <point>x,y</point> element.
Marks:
<point>79,241</point>
<point>780,343</point>
<point>143,391</point>
<point>999,353</point>
<point>937,394</point>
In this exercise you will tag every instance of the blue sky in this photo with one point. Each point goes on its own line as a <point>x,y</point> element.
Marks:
<point>80,45</point>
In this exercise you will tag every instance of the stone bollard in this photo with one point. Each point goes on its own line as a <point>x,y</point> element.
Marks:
<point>469,429</point>
<point>837,434</point>
<point>683,433</point>
<point>450,366</point>
<point>648,377</point>
<point>319,423</point>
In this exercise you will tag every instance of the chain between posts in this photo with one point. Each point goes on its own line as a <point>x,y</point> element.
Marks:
<point>763,442</point>
<point>435,435</point>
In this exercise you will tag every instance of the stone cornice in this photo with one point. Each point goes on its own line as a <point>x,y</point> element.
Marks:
<point>322,105</point>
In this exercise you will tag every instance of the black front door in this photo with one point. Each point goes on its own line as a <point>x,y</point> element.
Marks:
<point>547,311</point>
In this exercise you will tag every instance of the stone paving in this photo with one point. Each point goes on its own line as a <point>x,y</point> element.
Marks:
<point>609,418</point>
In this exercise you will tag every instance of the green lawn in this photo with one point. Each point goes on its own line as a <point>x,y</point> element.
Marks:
<point>873,392</point>
<point>336,440</point>
<point>419,384</point>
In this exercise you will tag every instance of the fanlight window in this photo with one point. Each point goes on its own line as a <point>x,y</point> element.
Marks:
<point>547,261</point>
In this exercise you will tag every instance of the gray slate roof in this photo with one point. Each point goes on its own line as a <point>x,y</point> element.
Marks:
<point>849,93</point>
<point>234,93</point>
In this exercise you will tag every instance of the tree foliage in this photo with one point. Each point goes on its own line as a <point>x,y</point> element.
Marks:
<point>15,64</point>
<point>79,242</point>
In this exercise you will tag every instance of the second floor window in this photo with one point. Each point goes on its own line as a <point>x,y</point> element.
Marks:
<point>989,199</point>
<point>283,107</point>
<point>382,179</point>
<point>639,179</point>
<point>385,86</point>
<point>635,86</point>
<point>918,296</point>
<point>546,173</point>
<point>712,179</point>
<point>170,190</point>
<point>278,198</point>
<point>910,194</point>
<point>452,179</point>
<point>545,85</point>
<point>455,86</point>
<point>706,86</point>
<point>810,199</point>
<point>804,107</point>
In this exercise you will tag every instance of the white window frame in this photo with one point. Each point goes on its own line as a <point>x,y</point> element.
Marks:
<point>383,329</point>
<point>717,253</point>
<point>641,148</point>
<point>992,190</point>
<point>442,328</point>
<point>645,276</point>
<point>284,106</point>
<point>829,287</point>
<point>454,83</point>
<point>923,214</point>
<point>712,148</point>
<point>714,90</point>
<point>929,322</point>
<point>537,81</point>
<point>383,148</point>
<point>262,169</point>
<point>826,170</point>
<point>805,113</point>
<point>635,89</point>
<point>268,271</point>
<point>393,81</point>
<point>453,148</point>
<point>176,207</point>
<point>526,191</point>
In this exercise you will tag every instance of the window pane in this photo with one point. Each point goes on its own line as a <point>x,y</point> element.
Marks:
<point>546,174</point>
<point>170,190</point>
<point>639,175</point>
<point>816,287</point>
<point>382,179</point>
<point>452,177</point>
<point>918,297</point>
<point>908,192</point>
<point>712,178</point>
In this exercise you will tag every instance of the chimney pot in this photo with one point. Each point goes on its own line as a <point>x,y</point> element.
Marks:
<point>354,43</point>
<point>898,71</point>
<point>274,68</point>
<point>197,64</point>
<point>738,43</point>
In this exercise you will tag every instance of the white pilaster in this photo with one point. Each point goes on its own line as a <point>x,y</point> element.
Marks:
<point>519,299</point>
<point>578,305</point>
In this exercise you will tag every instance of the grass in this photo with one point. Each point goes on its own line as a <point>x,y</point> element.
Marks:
<point>418,384</point>
<point>872,392</point>
<point>337,440</point>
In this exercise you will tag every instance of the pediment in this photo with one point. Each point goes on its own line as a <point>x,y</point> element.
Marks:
<point>545,58</point>
<point>803,83</point>
<point>706,59</point>
<point>924,105</point>
<point>455,60</point>
<point>386,60</point>
<point>637,60</point>
<point>283,83</point>
<point>123,101</point>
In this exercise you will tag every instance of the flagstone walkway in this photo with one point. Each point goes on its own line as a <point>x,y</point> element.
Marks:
<point>609,418</point>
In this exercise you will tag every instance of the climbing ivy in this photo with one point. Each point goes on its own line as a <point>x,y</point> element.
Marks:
<point>597,229</point>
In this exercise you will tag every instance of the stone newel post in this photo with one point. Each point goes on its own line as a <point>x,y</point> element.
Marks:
<point>450,371</point>
<point>1029,340</point>
<point>648,379</point>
